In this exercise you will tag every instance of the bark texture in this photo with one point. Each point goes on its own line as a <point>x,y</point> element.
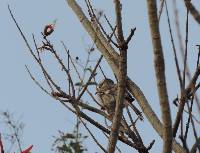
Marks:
<point>159,66</point>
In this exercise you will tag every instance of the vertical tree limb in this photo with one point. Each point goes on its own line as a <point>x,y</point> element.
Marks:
<point>160,76</point>
<point>122,81</point>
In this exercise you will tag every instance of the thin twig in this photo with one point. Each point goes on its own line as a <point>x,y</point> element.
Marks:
<point>63,67</point>
<point>183,91</point>
<point>180,40</point>
<point>36,82</point>
<point>130,36</point>
<point>161,9</point>
<point>133,125</point>
<point>90,78</point>
<point>91,12</point>
<point>39,61</point>
<point>186,47</point>
<point>93,137</point>
<point>194,147</point>
<point>173,46</point>
<point>195,135</point>
<point>198,55</point>
<point>111,27</point>
<point>189,118</point>
<point>184,98</point>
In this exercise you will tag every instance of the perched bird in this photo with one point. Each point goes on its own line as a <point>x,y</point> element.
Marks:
<point>107,93</point>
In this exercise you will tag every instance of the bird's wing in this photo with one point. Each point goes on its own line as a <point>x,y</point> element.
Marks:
<point>129,97</point>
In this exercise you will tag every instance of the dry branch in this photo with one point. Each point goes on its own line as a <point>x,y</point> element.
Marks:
<point>192,10</point>
<point>122,81</point>
<point>132,87</point>
<point>160,76</point>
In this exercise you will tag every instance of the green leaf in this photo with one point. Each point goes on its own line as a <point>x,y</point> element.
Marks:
<point>88,69</point>
<point>91,83</point>
<point>78,84</point>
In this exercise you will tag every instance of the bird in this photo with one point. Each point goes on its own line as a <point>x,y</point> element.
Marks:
<point>107,93</point>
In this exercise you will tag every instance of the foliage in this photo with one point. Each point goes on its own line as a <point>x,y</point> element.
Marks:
<point>69,142</point>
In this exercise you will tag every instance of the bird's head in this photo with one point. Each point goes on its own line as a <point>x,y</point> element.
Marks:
<point>105,84</point>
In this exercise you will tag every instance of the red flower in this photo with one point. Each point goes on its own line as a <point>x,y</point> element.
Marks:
<point>1,145</point>
<point>28,149</point>
<point>48,29</point>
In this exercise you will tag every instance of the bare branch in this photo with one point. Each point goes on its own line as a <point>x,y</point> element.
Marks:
<point>36,82</point>
<point>133,88</point>
<point>181,47</point>
<point>93,137</point>
<point>173,46</point>
<point>194,148</point>
<point>90,78</point>
<point>192,10</point>
<point>184,97</point>
<point>122,81</point>
<point>161,9</point>
<point>160,76</point>
<point>130,36</point>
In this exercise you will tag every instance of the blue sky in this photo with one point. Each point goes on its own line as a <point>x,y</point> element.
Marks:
<point>42,115</point>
